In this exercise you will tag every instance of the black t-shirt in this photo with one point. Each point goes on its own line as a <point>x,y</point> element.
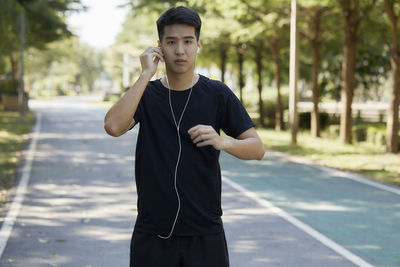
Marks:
<point>199,175</point>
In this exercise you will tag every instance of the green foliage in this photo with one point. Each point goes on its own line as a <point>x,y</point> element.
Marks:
<point>8,86</point>
<point>360,133</point>
<point>333,131</point>
<point>305,120</point>
<point>10,12</point>
<point>64,67</point>
<point>14,129</point>
<point>132,40</point>
<point>376,134</point>
<point>373,133</point>
<point>269,107</point>
<point>44,23</point>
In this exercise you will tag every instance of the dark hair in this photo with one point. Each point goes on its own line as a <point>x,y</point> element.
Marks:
<point>179,15</point>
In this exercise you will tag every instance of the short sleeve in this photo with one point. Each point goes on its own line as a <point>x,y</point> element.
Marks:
<point>139,111</point>
<point>235,119</point>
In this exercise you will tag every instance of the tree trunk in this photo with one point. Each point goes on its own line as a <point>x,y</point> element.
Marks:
<point>259,84</point>
<point>223,57</point>
<point>392,124</point>
<point>315,118</point>
<point>314,44</point>
<point>241,77</point>
<point>14,67</point>
<point>348,70</point>
<point>275,49</point>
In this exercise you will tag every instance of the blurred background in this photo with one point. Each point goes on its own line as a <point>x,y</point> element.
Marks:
<point>348,68</point>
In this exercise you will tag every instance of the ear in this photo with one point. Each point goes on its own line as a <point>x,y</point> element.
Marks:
<point>198,46</point>
<point>159,44</point>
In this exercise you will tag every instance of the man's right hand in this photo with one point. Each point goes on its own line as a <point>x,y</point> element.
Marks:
<point>149,60</point>
<point>119,118</point>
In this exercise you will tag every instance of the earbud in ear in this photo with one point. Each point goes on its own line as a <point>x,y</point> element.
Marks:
<point>198,50</point>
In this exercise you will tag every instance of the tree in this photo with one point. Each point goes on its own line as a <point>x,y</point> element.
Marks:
<point>241,52</point>
<point>393,12</point>
<point>312,33</point>
<point>45,23</point>
<point>353,12</point>
<point>258,48</point>
<point>9,29</point>
<point>132,41</point>
<point>61,68</point>
<point>271,22</point>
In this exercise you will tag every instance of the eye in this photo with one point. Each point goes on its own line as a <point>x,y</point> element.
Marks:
<point>170,42</point>
<point>188,41</point>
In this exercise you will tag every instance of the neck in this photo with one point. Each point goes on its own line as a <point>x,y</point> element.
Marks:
<point>180,82</point>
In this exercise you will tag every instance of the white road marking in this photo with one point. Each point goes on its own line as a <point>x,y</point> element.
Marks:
<point>304,227</point>
<point>12,213</point>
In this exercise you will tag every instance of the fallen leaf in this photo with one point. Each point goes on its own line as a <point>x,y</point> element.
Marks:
<point>43,240</point>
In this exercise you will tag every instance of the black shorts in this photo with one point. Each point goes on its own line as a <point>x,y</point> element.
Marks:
<point>148,250</point>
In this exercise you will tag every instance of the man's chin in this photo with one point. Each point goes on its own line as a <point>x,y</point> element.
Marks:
<point>181,70</point>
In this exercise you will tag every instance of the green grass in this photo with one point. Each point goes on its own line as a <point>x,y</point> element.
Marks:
<point>14,133</point>
<point>363,158</point>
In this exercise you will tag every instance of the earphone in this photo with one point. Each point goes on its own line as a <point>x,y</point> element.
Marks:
<point>198,50</point>
<point>177,126</point>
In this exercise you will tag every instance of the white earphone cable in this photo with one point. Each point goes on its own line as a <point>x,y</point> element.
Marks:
<point>177,125</point>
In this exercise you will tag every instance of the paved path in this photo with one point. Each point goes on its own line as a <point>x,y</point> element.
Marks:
<point>80,206</point>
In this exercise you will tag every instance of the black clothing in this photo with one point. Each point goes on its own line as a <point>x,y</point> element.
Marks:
<point>148,250</point>
<point>199,176</point>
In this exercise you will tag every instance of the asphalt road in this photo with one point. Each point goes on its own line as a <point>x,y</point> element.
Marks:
<point>80,205</point>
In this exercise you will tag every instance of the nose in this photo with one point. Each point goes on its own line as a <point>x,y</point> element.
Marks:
<point>179,49</point>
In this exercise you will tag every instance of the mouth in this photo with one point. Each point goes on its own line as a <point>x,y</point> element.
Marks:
<point>180,61</point>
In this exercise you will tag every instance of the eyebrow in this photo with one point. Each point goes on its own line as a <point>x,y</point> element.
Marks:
<point>174,38</point>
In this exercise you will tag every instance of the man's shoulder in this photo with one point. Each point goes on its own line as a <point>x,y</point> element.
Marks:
<point>215,85</point>
<point>153,87</point>
<point>153,84</point>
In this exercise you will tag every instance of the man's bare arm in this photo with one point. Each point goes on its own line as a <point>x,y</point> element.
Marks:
<point>119,119</point>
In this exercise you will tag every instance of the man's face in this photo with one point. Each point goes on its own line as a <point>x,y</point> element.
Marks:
<point>179,46</point>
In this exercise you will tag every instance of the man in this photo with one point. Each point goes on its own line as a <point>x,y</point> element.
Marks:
<point>178,177</point>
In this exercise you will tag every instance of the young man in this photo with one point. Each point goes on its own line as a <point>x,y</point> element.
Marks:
<point>178,176</point>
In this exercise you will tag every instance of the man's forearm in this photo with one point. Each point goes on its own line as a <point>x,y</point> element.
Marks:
<point>249,148</point>
<point>120,116</point>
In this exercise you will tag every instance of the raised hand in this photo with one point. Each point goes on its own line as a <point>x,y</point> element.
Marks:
<point>149,60</point>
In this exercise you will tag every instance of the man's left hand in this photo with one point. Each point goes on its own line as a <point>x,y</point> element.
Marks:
<point>204,135</point>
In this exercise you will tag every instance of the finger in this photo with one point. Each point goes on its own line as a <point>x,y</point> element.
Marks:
<point>156,60</point>
<point>159,54</point>
<point>197,133</point>
<point>200,130</point>
<point>204,143</point>
<point>202,137</point>
<point>194,128</point>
